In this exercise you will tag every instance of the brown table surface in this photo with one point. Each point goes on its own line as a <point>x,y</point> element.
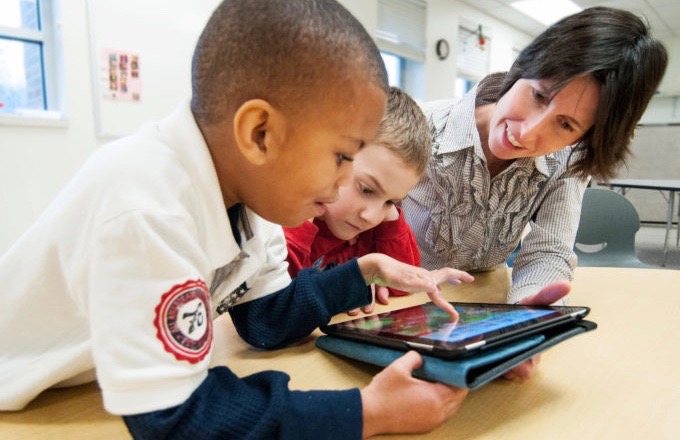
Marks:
<point>621,381</point>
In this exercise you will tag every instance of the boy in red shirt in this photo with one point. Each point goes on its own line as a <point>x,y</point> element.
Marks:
<point>365,218</point>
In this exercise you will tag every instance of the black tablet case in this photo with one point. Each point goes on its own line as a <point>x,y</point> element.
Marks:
<point>471,371</point>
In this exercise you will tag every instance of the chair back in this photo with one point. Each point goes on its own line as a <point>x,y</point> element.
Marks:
<point>607,229</point>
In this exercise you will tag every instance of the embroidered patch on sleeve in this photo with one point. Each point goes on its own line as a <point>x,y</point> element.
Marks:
<point>183,321</point>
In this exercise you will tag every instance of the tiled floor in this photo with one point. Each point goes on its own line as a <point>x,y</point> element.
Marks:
<point>649,243</point>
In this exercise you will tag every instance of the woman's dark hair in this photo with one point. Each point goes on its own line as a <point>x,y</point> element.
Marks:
<point>616,48</point>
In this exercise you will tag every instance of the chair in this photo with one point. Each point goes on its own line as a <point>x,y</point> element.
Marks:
<point>606,231</point>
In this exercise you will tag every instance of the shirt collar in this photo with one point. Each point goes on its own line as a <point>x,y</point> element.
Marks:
<point>453,124</point>
<point>180,131</point>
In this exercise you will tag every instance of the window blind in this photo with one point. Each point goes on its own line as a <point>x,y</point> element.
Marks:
<point>401,28</point>
<point>473,57</point>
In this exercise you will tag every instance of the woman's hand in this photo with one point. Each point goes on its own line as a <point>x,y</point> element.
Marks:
<point>548,295</point>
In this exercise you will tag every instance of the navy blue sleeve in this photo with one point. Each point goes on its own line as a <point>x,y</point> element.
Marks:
<point>310,300</point>
<point>259,406</point>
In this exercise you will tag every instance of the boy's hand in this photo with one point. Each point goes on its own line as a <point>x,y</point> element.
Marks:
<point>396,402</point>
<point>548,295</point>
<point>382,270</point>
<point>392,214</point>
<point>381,294</point>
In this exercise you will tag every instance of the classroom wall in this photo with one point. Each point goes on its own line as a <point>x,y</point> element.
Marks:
<point>37,160</point>
<point>656,144</point>
<point>443,19</point>
<point>655,155</point>
<point>664,107</point>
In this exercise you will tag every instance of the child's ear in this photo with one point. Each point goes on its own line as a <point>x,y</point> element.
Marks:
<point>253,121</point>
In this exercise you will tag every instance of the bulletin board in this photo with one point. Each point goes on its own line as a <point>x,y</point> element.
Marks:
<point>141,54</point>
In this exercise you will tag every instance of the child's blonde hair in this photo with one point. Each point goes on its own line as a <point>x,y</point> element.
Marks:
<point>405,131</point>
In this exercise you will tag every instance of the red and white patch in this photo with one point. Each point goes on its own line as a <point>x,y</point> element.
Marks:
<point>183,321</point>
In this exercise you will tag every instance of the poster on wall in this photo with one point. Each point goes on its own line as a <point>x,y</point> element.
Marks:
<point>120,75</point>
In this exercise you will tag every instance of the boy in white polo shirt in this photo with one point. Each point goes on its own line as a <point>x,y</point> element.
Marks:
<point>160,232</point>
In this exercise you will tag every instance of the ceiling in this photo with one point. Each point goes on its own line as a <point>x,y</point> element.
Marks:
<point>663,15</point>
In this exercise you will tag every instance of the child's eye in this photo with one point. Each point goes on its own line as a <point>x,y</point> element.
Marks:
<point>365,190</point>
<point>340,158</point>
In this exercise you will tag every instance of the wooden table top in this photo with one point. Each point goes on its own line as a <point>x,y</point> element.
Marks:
<point>621,381</point>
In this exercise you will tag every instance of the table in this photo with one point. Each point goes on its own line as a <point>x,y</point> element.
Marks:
<point>620,381</point>
<point>670,185</point>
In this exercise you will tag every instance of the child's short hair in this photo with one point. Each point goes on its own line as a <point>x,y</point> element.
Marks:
<point>287,52</point>
<point>405,131</point>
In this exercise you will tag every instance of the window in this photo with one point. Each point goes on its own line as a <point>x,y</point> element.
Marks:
<point>472,58</point>
<point>393,64</point>
<point>473,54</point>
<point>401,28</point>
<point>26,59</point>
<point>462,86</point>
<point>400,36</point>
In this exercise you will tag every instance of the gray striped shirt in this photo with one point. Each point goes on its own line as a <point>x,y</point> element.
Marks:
<point>464,219</point>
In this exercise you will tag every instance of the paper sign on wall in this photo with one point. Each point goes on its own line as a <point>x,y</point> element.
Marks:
<point>120,75</point>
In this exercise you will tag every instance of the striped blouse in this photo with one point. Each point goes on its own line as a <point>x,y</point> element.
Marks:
<point>464,219</point>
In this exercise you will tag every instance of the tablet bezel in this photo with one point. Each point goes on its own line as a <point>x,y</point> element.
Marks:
<point>564,315</point>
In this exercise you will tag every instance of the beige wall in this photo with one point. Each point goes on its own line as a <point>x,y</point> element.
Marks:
<point>656,155</point>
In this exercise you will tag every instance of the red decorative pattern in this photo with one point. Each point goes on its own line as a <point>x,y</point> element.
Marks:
<point>183,323</point>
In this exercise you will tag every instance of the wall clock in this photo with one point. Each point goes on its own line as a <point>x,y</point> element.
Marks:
<point>442,49</point>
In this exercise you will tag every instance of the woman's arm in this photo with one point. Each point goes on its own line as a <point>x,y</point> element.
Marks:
<point>547,253</point>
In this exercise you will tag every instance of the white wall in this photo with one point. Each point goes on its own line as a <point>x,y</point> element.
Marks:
<point>443,19</point>
<point>36,161</point>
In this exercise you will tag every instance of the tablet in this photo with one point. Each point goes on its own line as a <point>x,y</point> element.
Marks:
<point>428,329</point>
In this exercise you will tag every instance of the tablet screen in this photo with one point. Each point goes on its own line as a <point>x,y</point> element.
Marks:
<point>429,324</point>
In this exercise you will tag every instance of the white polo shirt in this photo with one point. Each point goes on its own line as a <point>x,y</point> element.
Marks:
<point>123,273</point>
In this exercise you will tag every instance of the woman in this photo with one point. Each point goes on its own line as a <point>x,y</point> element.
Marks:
<point>518,149</point>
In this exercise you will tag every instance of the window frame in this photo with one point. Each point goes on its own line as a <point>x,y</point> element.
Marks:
<point>46,37</point>
<point>472,62</point>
